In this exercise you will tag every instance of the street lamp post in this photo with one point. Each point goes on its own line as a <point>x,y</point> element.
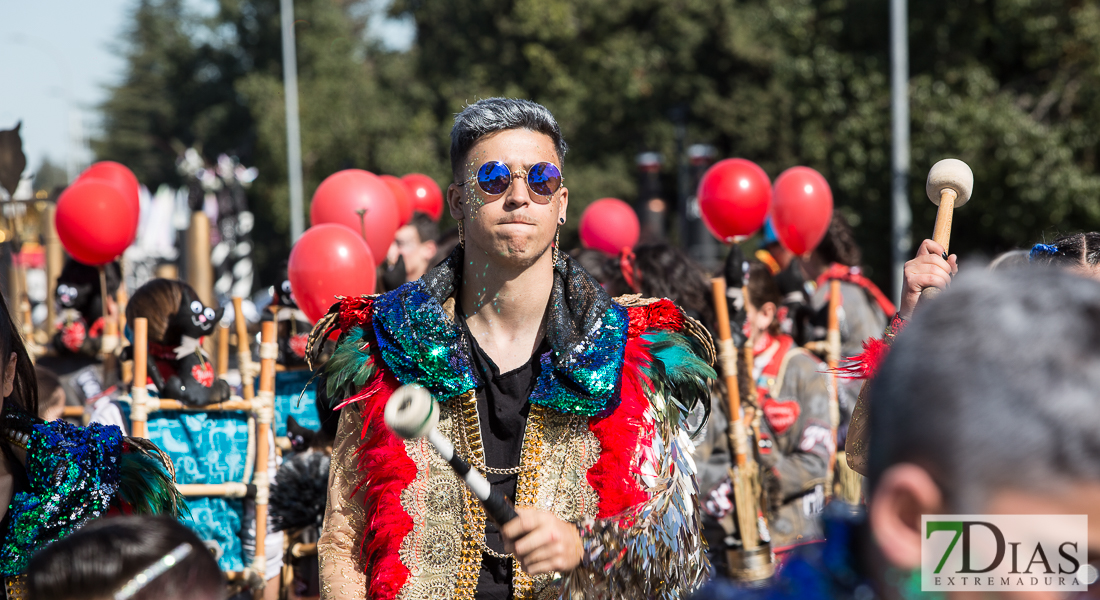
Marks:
<point>293,130</point>
<point>901,215</point>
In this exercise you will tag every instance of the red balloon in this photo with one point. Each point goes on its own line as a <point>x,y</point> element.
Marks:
<point>802,208</point>
<point>425,193</point>
<point>609,225</point>
<point>329,260</point>
<point>118,175</point>
<point>733,197</point>
<point>401,196</point>
<point>95,222</point>
<point>341,197</point>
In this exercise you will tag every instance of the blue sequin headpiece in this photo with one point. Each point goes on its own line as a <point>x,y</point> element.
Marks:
<point>1040,250</point>
<point>421,343</point>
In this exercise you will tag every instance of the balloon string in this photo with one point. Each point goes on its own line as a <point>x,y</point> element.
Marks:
<point>362,212</point>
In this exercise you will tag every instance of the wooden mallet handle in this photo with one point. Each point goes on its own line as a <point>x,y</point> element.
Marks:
<point>950,183</point>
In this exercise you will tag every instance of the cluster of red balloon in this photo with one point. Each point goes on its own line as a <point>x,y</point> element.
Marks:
<point>736,196</point>
<point>354,215</point>
<point>97,216</point>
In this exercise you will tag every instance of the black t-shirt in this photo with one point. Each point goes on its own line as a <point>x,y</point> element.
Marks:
<point>503,406</point>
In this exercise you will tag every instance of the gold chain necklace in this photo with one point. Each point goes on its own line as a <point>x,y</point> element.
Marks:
<point>469,425</point>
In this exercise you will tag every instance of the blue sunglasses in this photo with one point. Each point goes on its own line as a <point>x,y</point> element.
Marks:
<point>494,178</point>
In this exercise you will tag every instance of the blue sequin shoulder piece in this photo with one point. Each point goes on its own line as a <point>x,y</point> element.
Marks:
<point>587,331</point>
<point>420,343</point>
<point>73,477</point>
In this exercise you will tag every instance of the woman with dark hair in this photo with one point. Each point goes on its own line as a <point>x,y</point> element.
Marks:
<point>1078,253</point>
<point>128,558</point>
<point>56,477</point>
<point>663,271</point>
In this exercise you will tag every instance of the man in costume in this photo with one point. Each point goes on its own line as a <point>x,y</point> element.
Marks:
<point>570,402</point>
<point>986,404</point>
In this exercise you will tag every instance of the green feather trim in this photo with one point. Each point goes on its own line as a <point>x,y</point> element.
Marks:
<point>147,486</point>
<point>678,373</point>
<point>350,366</point>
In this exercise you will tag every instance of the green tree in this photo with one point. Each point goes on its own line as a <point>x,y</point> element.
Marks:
<point>215,82</point>
<point>1007,85</point>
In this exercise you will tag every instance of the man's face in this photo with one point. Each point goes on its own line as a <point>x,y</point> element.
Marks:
<point>417,255</point>
<point>518,226</point>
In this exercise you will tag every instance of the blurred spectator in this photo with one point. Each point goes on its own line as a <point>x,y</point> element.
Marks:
<point>663,271</point>
<point>412,251</point>
<point>1079,253</point>
<point>51,396</point>
<point>598,264</point>
<point>140,558</point>
<point>448,240</point>
<point>1012,259</point>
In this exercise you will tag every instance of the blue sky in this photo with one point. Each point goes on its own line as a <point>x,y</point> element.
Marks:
<point>56,57</point>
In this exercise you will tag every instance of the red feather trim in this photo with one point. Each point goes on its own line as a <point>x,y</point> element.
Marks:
<point>662,314</point>
<point>355,311</point>
<point>625,432</point>
<point>614,476</point>
<point>388,471</point>
<point>868,362</point>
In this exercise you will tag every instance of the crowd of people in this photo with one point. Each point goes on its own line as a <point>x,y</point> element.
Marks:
<point>626,411</point>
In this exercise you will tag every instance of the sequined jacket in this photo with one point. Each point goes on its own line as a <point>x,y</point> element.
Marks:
<point>604,430</point>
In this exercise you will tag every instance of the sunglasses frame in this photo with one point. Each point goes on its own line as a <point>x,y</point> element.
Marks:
<point>525,173</point>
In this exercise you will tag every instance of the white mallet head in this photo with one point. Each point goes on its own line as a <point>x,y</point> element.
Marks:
<point>950,173</point>
<point>411,412</point>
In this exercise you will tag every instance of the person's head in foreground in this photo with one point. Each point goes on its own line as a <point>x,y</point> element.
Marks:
<point>508,192</point>
<point>118,558</point>
<point>988,404</point>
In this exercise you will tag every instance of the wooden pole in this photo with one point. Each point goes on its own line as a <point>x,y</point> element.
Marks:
<point>244,352</point>
<point>138,411</point>
<point>200,275</point>
<point>832,358</point>
<point>222,365</point>
<point>753,561</point>
<point>265,415</point>
<point>55,261</point>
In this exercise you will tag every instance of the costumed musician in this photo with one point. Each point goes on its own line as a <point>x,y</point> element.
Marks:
<point>572,403</point>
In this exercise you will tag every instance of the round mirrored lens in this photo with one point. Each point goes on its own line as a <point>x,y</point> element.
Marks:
<point>544,178</point>
<point>494,177</point>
